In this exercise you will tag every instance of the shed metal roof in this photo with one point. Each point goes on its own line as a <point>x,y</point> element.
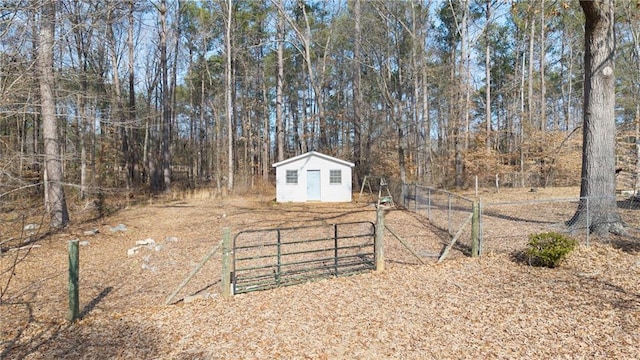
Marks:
<point>314,153</point>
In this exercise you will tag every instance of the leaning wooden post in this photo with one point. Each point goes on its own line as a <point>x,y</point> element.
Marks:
<point>379,240</point>
<point>192,274</point>
<point>227,257</point>
<point>74,272</point>
<point>475,227</point>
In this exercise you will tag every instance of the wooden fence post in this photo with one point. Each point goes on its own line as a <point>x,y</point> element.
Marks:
<point>379,240</point>
<point>74,276</point>
<point>475,227</point>
<point>227,257</point>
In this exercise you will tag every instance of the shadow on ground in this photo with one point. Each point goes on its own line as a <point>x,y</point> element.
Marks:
<point>40,339</point>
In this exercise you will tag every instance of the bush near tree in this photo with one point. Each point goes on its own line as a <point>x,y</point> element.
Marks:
<point>549,249</point>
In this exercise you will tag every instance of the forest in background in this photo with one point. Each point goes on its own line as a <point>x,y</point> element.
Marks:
<point>158,95</point>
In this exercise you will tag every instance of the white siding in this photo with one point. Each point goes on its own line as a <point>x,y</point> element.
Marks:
<point>313,161</point>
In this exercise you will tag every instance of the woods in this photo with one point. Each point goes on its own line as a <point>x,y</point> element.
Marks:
<point>171,94</point>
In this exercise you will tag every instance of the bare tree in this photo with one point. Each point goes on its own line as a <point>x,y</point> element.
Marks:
<point>543,60</point>
<point>279,85</point>
<point>358,154</point>
<point>229,92</point>
<point>166,101</point>
<point>131,153</point>
<point>316,77</point>
<point>634,33</point>
<point>487,69</point>
<point>598,209</point>
<point>54,197</point>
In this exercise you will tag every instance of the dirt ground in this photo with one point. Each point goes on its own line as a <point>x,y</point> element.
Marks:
<point>482,308</point>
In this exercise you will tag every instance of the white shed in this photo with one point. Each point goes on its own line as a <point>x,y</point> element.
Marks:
<point>313,177</point>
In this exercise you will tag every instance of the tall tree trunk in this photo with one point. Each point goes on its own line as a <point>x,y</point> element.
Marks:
<point>357,97</point>
<point>279,90</point>
<point>543,89</point>
<point>266,133</point>
<point>314,82</point>
<point>465,62</point>
<point>487,65</point>
<point>204,127</point>
<point>598,209</point>
<point>55,199</point>
<point>174,71</point>
<point>426,127</point>
<point>530,74</point>
<point>82,134</point>
<point>116,101</point>
<point>523,126</point>
<point>229,95</point>
<point>82,42</point>
<point>132,153</point>
<point>635,37</point>
<point>414,107</point>
<point>194,170</point>
<point>567,85</point>
<point>166,100</point>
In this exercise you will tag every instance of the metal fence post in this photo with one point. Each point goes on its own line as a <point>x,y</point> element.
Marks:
<point>335,248</point>
<point>415,198</point>
<point>379,241</point>
<point>279,257</point>
<point>74,277</point>
<point>588,221</point>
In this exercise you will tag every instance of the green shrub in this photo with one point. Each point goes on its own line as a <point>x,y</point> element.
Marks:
<point>548,249</point>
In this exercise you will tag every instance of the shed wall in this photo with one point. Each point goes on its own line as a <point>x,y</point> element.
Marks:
<point>298,192</point>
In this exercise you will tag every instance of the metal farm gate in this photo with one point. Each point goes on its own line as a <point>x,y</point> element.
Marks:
<point>269,258</point>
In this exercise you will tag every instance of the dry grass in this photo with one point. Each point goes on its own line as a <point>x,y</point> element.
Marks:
<point>491,307</point>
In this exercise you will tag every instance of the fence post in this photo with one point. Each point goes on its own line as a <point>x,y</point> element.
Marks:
<point>449,214</point>
<point>335,248</point>
<point>379,240</point>
<point>279,256</point>
<point>429,204</point>
<point>475,226</point>
<point>227,256</point>
<point>476,185</point>
<point>74,276</point>
<point>404,199</point>
<point>588,222</point>
<point>480,226</point>
<point>415,198</point>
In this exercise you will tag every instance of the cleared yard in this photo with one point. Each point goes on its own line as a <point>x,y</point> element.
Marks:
<point>489,307</point>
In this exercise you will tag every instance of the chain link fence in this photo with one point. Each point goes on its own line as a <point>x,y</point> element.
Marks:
<point>445,210</point>
<point>505,226</point>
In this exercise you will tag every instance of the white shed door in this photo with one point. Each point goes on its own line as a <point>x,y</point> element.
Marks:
<point>313,185</point>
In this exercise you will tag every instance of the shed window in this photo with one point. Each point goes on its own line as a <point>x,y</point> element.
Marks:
<point>335,177</point>
<point>292,176</point>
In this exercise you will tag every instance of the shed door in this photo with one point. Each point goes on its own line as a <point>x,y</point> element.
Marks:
<point>313,185</point>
